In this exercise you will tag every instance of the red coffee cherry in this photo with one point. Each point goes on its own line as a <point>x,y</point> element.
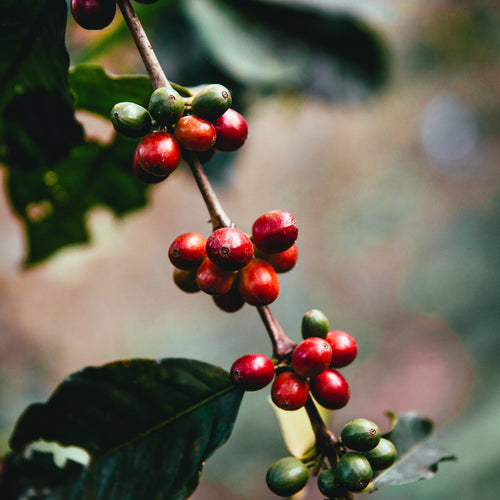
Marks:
<point>212,279</point>
<point>232,131</point>
<point>93,14</point>
<point>195,133</point>
<point>231,301</point>
<point>289,391</point>
<point>157,154</point>
<point>258,283</point>
<point>311,357</point>
<point>187,251</point>
<point>344,348</point>
<point>283,261</point>
<point>330,389</point>
<point>229,248</point>
<point>252,371</point>
<point>275,231</point>
<point>185,279</point>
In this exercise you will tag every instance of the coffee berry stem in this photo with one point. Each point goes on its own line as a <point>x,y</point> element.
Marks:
<point>148,55</point>
<point>326,442</point>
<point>282,345</point>
<point>218,216</point>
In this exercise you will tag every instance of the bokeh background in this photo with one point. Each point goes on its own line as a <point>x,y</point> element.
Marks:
<point>396,194</point>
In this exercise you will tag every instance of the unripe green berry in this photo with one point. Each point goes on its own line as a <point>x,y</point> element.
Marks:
<point>382,456</point>
<point>130,119</point>
<point>360,435</point>
<point>328,485</point>
<point>314,324</point>
<point>353,472</point>
<point>166,106</point>
<point>211,102</point>
<point>287,476</point>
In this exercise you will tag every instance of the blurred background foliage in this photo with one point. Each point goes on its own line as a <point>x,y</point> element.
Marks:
<point>375,124</point>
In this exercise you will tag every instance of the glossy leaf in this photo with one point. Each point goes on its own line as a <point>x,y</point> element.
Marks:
<point>418,453</point>
<point>148,426</point>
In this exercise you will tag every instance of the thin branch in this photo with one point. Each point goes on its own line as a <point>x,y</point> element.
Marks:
<point>282,345</point>
<point>155,71</point>
<point>218,216</point>
<point>325,439</point>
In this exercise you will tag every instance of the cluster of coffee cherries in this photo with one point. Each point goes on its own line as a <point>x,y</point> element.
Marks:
<point>96,14</point>
<point>173,125</point>
<point>236,268</point>
<point>360,453</point>
<point>313,369</point>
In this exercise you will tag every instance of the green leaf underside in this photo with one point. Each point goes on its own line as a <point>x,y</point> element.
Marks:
<point>418,453</point>
<point>98,91</point>
<point>148,426</point>
<point>293,46</point>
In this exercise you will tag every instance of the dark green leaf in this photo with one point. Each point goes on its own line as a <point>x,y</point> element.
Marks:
<point>37,125</point>
<point>97,91</point>
<point>52,201</point>
<point>418,453</point>
<point>148,426</point>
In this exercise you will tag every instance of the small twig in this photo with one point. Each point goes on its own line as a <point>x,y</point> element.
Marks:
<point>218,216</point>
<point>282,345</point>
<point>325,439</point>
<point>155,71</point>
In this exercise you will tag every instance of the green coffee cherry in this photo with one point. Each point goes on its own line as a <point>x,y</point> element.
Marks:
<point>211,102</point>
<point>314,324</point>
<point>353,472</point>
<point>287,476</point>
<point>382,456</point>
<point>360,435</point>
<point>130,119</point>
<point>166,105</point>
<point>328,486</point>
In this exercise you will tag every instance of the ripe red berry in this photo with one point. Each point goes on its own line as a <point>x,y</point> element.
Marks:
<point>157,154</point>
<point>289,391</point>
<point>229,248</point>
<point>311,357</point>
<point>330,389</point>
<point>195,133</point>
<point>185,279</point>
<point>282,261</point>
<point>213,280</point>
<point>93,14</point>
<point>344,348</point>
<point>275,231</point>
<point>252,371</point>
<point>187,251</point>
<point>258,283</point>
<point>232,131</point>
<point>231,301</point>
